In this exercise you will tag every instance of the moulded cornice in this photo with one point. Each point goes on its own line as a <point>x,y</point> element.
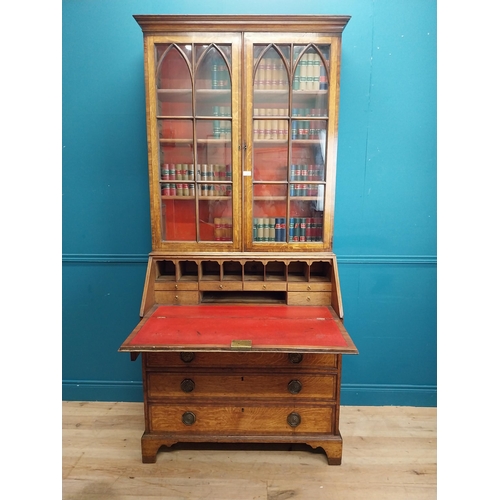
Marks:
<point>158,24</point>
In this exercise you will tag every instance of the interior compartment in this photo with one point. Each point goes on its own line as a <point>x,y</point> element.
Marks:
<point>321,271</point>
<point>210,270</point>
<point>254,271</point>
<point>298,271</point>
<point>275,271</point>
<point>165,270</point>
<point>232,270</point>
<point>243,297</point>
<point>188,270</point>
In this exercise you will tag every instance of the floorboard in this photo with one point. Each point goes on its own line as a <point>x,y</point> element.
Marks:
<point>389,453</point>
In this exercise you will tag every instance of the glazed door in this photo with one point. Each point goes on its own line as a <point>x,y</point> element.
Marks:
<point>193,89</point>
<point>291,99</point>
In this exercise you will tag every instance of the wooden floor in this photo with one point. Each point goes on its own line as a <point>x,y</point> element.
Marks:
<point>389,453</point>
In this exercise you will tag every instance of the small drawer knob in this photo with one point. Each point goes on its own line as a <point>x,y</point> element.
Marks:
<point>294,386</point>
<point>187,385</point>
<point>308,299</point>
<point>188,418</point>
<point>221,287</point>
<point>295,357</point>
<point>176,287</point>
<point>264,287</point>
<point>187,357</point>
<point>308,287</point>
<point>293,419</point>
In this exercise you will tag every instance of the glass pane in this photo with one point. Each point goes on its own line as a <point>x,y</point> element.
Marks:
<point>212,71</point>
<point>178,216</point>
<point>271,72</point>
<point>214,179</point>
<point>270,163</point>
<point>306,219</point>
<point>176,164</point>
<point>269,212</point>
<point>310,84</point>
<point>174,82</point>
<point>308,151</point>
<point>216,219</point>
<point>212,82</point>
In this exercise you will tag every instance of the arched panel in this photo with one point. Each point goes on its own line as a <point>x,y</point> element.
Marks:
<point>173,68</point>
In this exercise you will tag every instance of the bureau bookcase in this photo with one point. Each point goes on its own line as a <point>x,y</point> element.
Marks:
<point>241,322</point>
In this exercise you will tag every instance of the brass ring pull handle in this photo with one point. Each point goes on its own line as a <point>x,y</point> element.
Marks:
<point>187,357</point>
<point>188,418</point>
<point>187,385</point>
<point>293,419</point>
<point>294,386</point>
<point>295,357</point>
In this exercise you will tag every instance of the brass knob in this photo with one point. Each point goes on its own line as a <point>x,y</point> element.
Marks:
<point>188,418</point>
<point>176,286</point>
<point>221,287</point>
<point>187,357</point>
<point>308,299</point>
<point>187,385</point>
<point>264,287</point>
<point>294,386</point>
<point>295,357</point>
<point>176,297</point>
<point>293,419</point>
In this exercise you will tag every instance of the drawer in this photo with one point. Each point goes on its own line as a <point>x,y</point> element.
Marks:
<point>310,287</point>
<point>198,384</point>
<point>241,420</point>
<point>309,298</point>
<point>272,360</point>
<point>264,286</point>
<point>177,297</point>
<point>229,286</point>
<point>172,285</point>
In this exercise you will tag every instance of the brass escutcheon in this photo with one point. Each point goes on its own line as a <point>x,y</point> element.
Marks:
<point>187,357</point>
<point>295,357</point>
<point>187,385</point>
<point>293,419</point>
<point>188,418</point>
<point>294,386</point>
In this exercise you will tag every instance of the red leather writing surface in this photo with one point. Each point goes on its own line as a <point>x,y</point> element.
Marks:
<point>217,325</point>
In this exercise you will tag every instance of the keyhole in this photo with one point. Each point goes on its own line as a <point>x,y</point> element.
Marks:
<point>243,409</point>
<point>242,378</point>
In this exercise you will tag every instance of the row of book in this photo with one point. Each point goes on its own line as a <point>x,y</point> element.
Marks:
<point>186,171</point>
<point>188,190</point>
<point>223,228</point>
<point>310,74</point>
<point>300,229</point>
<point>220,77</point>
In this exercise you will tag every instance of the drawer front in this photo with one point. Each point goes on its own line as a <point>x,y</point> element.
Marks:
<point>212,286</point>
<point>196,384</point>
<point>172,285</point>
<point>241,420</point>
<point>296,361</point>
<point>309,298</point>
<point>265,286</point>
<point>177,297</point>
<point>310,287</point>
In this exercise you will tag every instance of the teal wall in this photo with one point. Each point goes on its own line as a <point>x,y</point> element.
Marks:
<point>385,214</point>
